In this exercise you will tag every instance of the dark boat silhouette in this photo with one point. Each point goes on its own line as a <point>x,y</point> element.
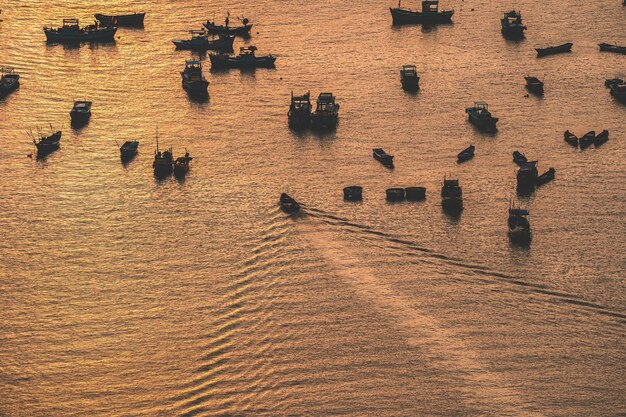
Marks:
<point>512,26</point>
<point>552,50</point>
<point>409,79</point>
<point>9,81</point>
<point>72,32</point>
<point>133,19</point>
<point>200,42</point>
<point>383,157</point>
<point>430,14</point>
<point>299,114</point>
<point>534,85</point>
<point>288,204</point>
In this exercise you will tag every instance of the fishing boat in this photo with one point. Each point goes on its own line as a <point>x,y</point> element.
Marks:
<point>47,143</point>
<point>227,29</point>
<point>519,226</point>
<point>527,175</point>
<point>466,154</point>
<point>607,47</point>
<point>519,158</point>
<point>181,165</point>
<point>409,78</point>
<point>451,195</point>
<point>546,177</point>
<point>571,138</point>
<point>353,193</point>
<point>512,26</point>
<point>80,113</point>
<point>200,42</point>
<point>415,193</point>
<point>430,14</point>
<point>618,91</point>
<point>128,150</point>
<point>383,157</point>
<point>72,32</point>
<point>480,116</point>
<point>587,140</point>
<point>326,112</point>
<point>9,81</point>
<point>534,85</point>
<point>395,194</point>
<point>193,80</point>
<point>246,59</point>
<point>163,163</point>
<point>133,19</point>
<point>552,50</point>
<point>601,138</point>
<point>288,204</point>
<point>299,114</point>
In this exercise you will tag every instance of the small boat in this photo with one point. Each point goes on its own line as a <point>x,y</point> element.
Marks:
<point>47,144</point>
<point>288,204</point>
<point>519,158</point>
<point>466,154</point>
<point>382,156</point>
<point>181,165</point>
<point>163,163</point>
<point>527,175</point>
<point>479,116</point>
<point>9,81</point>
<point>246,59</point>
<point>552,50</point>
<point>241,30</point>
<point>607,47</point>
<point>618,91</point>
<point>409,78</point>
<point>415,193</point>
<point>519,226</point>
<point>193,80</point>
<point>512,26</point>
<point>571,138</point>
<point>430,14</point>
<point>200,42</point>
<point>326,114</point>
<point>72,32</point>
<point>128,150</point>
<point>534,85</point>
<point>395,194</point>
<point>353,193</point>
<point>134,19</point>
<point>451,195</point>
<point>80,113</point>
<point>299,114</point>
<point>601,138</point>
<point>546,177</point>
<point>609,82</point>
<point>587,140</point>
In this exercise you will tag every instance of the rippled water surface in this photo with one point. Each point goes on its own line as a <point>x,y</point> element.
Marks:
<point>123,295</point>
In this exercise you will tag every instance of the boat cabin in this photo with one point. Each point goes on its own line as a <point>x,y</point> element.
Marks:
<point>247,51</point>
<point>198,34</point>
<point>408,71</point>
<point>512,17</point>
<point>430,6</point>
<point>301,102</point>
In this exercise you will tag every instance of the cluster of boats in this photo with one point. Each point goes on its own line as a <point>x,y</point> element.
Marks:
<point>301,114</point>
<point>588,139</point>
<point>165,165</point>
<point>528,176</point>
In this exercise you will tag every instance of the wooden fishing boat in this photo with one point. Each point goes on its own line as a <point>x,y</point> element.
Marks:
<point>133,19</point>
<point>552,50</point>
<point>128,150</point>
<point>527,176</point>
<point>353,193</point>
<point>415,193</point>
<point>534,85</point>
<point>383,157</point>
<point>193,80</point>
<point>200,42</point>
<point>227,29</point>
<point>607,47</point>
<point>246,59</point>
<point>451,195</point>
<point>571,138</point>
<point>587,140</point>
<point>466,154</point>
<point>181,165</point>
<point>519,158</point>
<point>326,114</point>
<point>395,194</point>
<point>519,226</point>
<point>288,204</point>
<point>409,79</point>
<point>430,14</point>
<point>47,144</point>
<point>601,138</point>
<point>546,177</point>
<point>9,81</point>
<point>512,26</point>
<point>480,116</point>
<point>80,113</point>
<point>299,114</point>
<point>163,164</point>
<point>72,32</point>
<point>618,91</point>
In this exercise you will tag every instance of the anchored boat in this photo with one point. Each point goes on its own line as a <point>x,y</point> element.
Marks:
<point>383,157</point>
<point>181,165</point>
<point>534,85</point>
<point>552,50</point>
<point>246,59</point>
<point>519,158</point>
<point>80,113</point>
<point>299,114</point>
<point>527,176</point>
<point>193,80</point>
<point>430,14</point>
<point>607,47</point>
<point>570,138</point>
<point>601,138</point>
<point>72,32</point>
<point>353,193</point>
<point>479,116</point>
<point>587,140</point>
<point>9,81</point>
<point>466,154</point>
<point>200,42</point>
<point>451,195</point>
<point>128,150</point>
<point>512,26</point>
<point>47,144</point>
<point>163,163</point>
<point>618,91</point>
<point>326,113</point>
<point>546,177</point>
<point>240,30</point>
<point>519,226</point>
<point>133,19</point>
<point>409,78</point>
<point>288,204</point>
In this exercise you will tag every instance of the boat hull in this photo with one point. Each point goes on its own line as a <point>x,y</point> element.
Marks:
<point>513,32</point>
<point>407,17</point>
<point>319,121</point>
<point>224,44</point>
<point>485,125</point>
<point>135,19</point>
<point>102,35</point>
<point>220,29</point>
<point>605,47</point>
<point>567,47</point>
<point>410,83</point>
